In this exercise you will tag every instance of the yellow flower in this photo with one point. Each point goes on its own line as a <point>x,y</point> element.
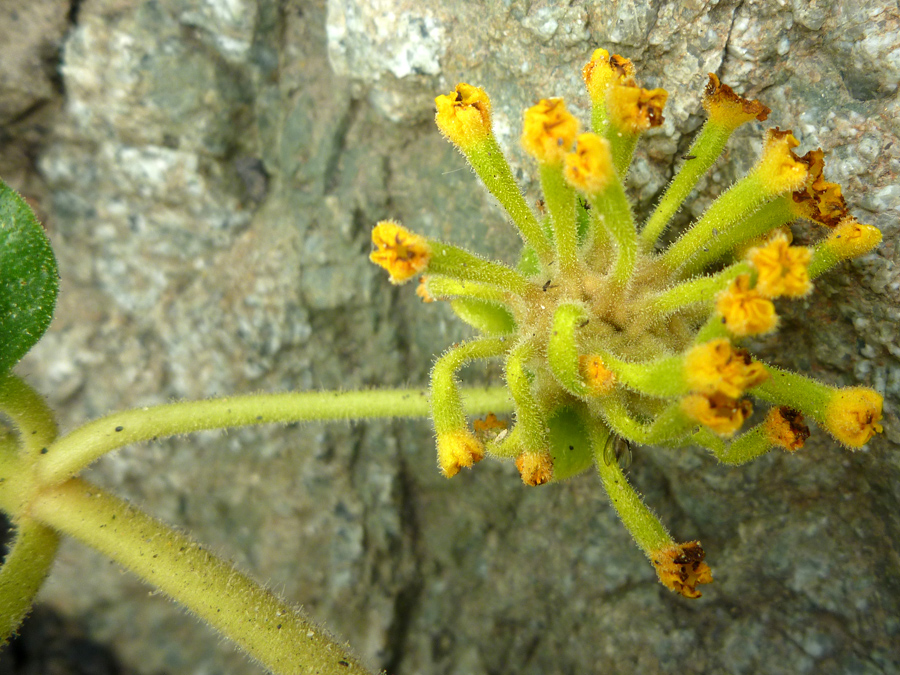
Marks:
<point>458,449</point>
<point>549,131</point>
<point>399,251</point>
<point>782,269</point>
<point>680,568</point>
<point>604,70</point>
<point>489,428</point>
<point>852,238</point>
<point>599,379</point>
<point>422,290</point>
<point>745,310</point>
<point>464,115</point>
<point>536,468</point>
<point>729,109</point>
<point>853,415</point>
<point>780,169</point>
<point>819,200</point>
<point>590,167</point>
<point>722,414</point>
<point>785,428</point>
<point>634,109</point>
<point>715,366</point>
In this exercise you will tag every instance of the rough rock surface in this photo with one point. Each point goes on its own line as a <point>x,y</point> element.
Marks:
<point>212,180</point>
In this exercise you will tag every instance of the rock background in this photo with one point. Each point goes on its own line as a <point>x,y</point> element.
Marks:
<point>209,170</point>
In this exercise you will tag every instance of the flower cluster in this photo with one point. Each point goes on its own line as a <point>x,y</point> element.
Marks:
<point>607,337</point>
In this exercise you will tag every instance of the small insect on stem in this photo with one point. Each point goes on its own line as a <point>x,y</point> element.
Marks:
<point>617,449</point>
<point>686,157</point>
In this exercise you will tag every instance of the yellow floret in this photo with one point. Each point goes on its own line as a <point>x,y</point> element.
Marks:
<point>853,415</point>
<point>536,468</point>
<point>464,115</point>
<point>590,168</point>
<point>399,251</point>
<point>604,70</point>
<point>781,269</point>
<point>458,449</point>
<point>722,414</point>
<point>745,310</point>
<point>784,427</point>
<point>852,238</point>
<point>635,110</point>
<point>680,568</point>
<point>728,109</point>
<point>715,366</point>
<point>599,379</point>
<point>549,131</point>
<point>780,169</point>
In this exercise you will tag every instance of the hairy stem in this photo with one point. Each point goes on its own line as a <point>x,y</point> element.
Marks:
<point>560,200</point>
<point>29,413</point>
<point>262,624</point>
<point>448,411</point>
<point>489,163</point>
<point>705,150</point>
<point>74,451</point>
<point>649,534</point>
<point>24,569</point>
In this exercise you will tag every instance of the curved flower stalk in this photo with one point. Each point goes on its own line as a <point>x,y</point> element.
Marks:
<point>607,340</point>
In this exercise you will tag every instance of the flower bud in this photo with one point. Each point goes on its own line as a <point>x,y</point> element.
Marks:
<point>464,115</point>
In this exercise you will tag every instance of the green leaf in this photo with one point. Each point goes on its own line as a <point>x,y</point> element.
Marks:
<point>29,281</point>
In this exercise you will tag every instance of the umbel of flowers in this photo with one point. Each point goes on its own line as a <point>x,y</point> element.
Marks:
<point>605,338</point>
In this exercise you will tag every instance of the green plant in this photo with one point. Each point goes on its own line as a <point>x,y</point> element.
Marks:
<point>605,339</point>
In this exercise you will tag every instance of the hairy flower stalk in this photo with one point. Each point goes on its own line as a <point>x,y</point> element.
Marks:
<point>605,339</point>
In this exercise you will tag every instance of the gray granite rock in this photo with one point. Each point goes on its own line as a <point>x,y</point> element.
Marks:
<point>213,180</point>
<point>32,35</point>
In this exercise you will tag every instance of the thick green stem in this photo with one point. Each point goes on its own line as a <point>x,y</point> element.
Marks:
<point>796,391</point>
<point>668,427</point>
<point>614,212</point>
<point>823,259</point>
<point>747,447</point>
<point>530,432</point>
<point>713,328</point>
<point>707,147</point>
<point>447,410</point>
<point>33,548</point>
<point>663,377</point>
<point>24,569</point>
<point>262,624</point>
<point>73,452</point>
<point>452,261</point>
<point>560,199</point>
<point>732,207</point>
<point>487,317</point>
<point>601,246</point>
<point>776,213</point>
<point>649,534</point>
<point>562,348</point>
<point>489,163</point>
<point>697,290</point>
<point>599,116</point>
<point>444,288</point>
<point>29,413</point>
<point>621,144</point>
